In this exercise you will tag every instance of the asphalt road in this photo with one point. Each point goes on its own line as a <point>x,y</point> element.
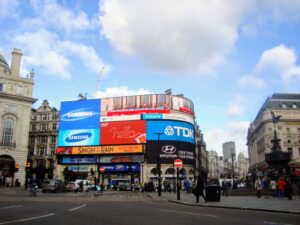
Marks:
<point>126,209</point>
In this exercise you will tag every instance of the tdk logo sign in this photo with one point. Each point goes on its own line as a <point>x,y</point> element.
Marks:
<point>179,131</point>
<point>78,114</point>
<point>79,137</point>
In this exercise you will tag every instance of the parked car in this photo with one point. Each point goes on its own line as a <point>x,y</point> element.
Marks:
<point>72,186</point>
<point>53,185</point>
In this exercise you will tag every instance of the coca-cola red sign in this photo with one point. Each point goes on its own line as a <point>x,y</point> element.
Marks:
<point>124,132</point>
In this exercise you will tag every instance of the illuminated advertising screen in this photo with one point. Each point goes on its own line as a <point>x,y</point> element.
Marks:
<point>81,114</point>
<point>78,160</point>
<point>170,131</point>
<point>123,132</point>
<point>79,137</point>
<point>168,151</point>
<point>121,167</point>
<point>100,150</point>
<point>171,116</point>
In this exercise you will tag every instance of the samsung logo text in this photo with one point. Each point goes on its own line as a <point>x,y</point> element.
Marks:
<point>79,137</point>
<point>78,114</point>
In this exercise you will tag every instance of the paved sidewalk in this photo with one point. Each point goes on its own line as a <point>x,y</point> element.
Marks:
<point>237,202</point>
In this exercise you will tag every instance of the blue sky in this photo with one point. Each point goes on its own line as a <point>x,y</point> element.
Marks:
<point>226,56</point>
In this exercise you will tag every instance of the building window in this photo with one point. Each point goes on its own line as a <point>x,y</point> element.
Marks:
<point>42,151</point>
<point>161,100</point>
<point>52,150</point>
<point>118,103</point>
<point>1,87</point>
<point>55,116</point>
<point>54,127</point>
<point>33,127</point>
<point>44,139</point>
<point>146,101</point>
<point>130,102</point>
<point>31,140</point>
<point>44,117</point>
<point>290,150</point>
<point>43,126</point>
<point>283,106</point>
<point>53,139</point>
<point>8,131</point>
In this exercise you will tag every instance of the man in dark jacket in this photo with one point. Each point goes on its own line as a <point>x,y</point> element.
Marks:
<point>200,188</point>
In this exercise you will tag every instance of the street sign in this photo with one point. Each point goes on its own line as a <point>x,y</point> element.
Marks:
<point>102,169</point>
<point>178,163</point>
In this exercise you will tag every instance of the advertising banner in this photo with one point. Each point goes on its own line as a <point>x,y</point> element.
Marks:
<point>170,116</point>
<point>119,118</point>
<point>122,159</point>
<point>105,150</point>
<point>81,114</point>
<point>170,130</point>
<point>78,160</point>
<point>121,167</point>
<point>137,111</point>
<point>124,132</point>
<point>168,151</point>
<point>81,137</point>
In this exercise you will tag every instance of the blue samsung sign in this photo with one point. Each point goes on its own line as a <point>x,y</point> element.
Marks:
<point>171,131</point>
<point>82,114</point>
<point>79,137</point>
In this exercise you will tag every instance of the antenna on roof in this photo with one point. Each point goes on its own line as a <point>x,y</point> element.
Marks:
<point>99,78</point>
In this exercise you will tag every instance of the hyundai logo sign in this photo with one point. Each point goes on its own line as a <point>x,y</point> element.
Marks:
<point>168,149</point>
<point>79,137</point>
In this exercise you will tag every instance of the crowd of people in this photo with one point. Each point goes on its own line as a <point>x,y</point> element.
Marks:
<point>281,187</point>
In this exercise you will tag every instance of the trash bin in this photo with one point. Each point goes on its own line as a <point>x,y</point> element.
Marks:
<point>213,193</point>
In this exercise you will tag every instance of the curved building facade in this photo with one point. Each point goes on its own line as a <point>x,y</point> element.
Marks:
<point>126,137</point>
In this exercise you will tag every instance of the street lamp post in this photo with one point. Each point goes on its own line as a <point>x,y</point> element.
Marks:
<point>199,157</point>
<point>158,165</point>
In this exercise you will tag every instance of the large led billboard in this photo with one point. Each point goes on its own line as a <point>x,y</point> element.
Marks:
<point>81,137</point>
<point>170,131</point>
<point>167,151</point>
<point>123,132</point>
<point>82,114</point>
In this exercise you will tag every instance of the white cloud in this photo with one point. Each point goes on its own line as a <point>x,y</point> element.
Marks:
<point>45,50</point>
<point>120,91</point>
<point>280,60</point>
<point>50,13</point>
<point>234,109</point>
<point>173,36</point>
<point>8,8</point>
<point>234,131</point>
<point>251,81</point>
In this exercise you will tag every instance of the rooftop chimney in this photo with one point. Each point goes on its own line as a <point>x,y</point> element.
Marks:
<point>16,62</point>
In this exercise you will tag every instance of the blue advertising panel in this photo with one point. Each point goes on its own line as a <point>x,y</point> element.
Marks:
<point>81,114</point>
<point>121,167</point>
<point>81,137</point>
<point>153,116</point>
<point>170,131</point>
<point>78,160</point>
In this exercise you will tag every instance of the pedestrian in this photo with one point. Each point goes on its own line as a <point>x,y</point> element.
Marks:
<point>280,187</point>
<point>289,189</point>
<point>298,184</point>
<point>224,188</point>
<point>81,186</point>
<point>273,187</point>
<point>265,186</point>
<point>258,187</point>
<point>200,188</point>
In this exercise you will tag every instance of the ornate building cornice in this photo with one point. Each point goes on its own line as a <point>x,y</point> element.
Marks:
<point>18,98</point>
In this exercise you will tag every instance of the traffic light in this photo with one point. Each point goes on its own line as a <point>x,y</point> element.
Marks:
<point>28,164</point>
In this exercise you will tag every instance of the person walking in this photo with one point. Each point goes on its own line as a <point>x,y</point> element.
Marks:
<point>200,188</point>
<point>265,185</point>
<point>258,187</point>
<point>289,189</point>
<point>280,187</point>
<point>273,187</point>
<point>224,188</point>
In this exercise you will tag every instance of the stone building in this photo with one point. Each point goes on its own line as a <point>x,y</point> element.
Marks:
<point>43,140</point>
<point>261,131</point>
<point>242,166</point>
<point>15,106</point>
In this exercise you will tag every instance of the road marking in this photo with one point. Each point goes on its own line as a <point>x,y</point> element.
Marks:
<point>32,218</point>
<point>275,223</point>
<point>10,207</point>
<point>189,213</point>
<point>77,207</point>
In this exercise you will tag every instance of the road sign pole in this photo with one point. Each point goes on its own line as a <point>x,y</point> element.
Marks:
<point>178,184</point>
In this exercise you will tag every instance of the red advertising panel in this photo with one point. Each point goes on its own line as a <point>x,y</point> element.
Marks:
<point>137,111</point>
<point>123,132</point>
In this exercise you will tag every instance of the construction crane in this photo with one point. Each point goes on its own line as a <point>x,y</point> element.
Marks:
<point>99,78</point>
